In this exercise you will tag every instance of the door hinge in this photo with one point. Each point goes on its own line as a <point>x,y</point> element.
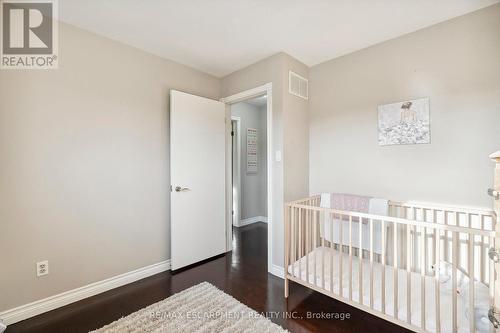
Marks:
<point>493,320</point>
<point>232,133</point>
<point>494,255</point>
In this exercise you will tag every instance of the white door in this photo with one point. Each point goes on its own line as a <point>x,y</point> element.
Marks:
<point>197,157</point>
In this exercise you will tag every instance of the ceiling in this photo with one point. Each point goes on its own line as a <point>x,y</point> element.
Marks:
<point>221,36</point>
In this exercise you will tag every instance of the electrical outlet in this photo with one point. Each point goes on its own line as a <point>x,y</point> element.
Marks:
<point>42,268</point>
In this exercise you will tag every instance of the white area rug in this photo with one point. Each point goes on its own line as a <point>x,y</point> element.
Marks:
<point>201,308</point>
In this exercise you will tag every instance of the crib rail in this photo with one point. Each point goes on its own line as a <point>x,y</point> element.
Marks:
<point>470,218</point>
<point>386,259</point>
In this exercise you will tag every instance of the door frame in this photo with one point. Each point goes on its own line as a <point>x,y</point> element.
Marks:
<point>237,184</point>
<point>265,89</point>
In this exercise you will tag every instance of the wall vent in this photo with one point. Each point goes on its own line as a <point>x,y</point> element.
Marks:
<point>298,85</point>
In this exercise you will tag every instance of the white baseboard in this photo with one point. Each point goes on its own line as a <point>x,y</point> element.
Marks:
<point>278,271</point>
<point>53,302</point>
<point>251,220</point>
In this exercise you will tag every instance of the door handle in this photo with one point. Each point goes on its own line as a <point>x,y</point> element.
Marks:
<point>494,194</point>
<point>181,189</point>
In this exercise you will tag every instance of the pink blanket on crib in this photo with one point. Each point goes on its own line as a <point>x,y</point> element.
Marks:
<point>350,202</point>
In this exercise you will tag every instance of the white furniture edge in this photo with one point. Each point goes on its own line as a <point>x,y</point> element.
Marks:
<point>53,302</point>
<point>251,220</point>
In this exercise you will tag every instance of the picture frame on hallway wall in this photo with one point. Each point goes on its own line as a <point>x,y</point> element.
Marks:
<point>252,151</point>
<point>404,123</point>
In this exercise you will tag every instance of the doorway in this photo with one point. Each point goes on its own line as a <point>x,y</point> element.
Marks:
<point>247,95</point>
<point>249,161</point>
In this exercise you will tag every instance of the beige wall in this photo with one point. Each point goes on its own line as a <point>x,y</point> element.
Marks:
<point>290,180</point>
<point>296,137</point>
<point>84,172</point>
<point>457,65</point>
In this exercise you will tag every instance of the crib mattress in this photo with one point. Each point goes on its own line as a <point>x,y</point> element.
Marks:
<point>315,259</point>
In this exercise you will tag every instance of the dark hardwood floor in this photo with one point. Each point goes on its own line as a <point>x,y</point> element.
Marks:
<point>242,274</point>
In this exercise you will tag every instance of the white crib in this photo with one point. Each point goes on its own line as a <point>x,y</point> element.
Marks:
<point>423,267</point>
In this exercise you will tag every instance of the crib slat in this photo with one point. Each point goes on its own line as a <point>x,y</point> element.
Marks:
<point>371,263</point>
<point>287,249</point>
<point>292,240</point>
<point>491,269</point>
<point>408,273</point>
<point>423,268</point>
<point>287,236</point>
<point>446,238</point>
<point>471,282</point>
<point>383,266</point>
<point>300,242</point>
<point>404,215</point>
<point>323,256</point>
<point>331,252</point>
<point>482,247</point>
<point>350,257</point>
<point>315,242</point>
<point>341,293</point>
<point>454,280</point>
<point>437,241</point>
<point>307,237</point>
<point>415,241</point>
<point>395,270</point>
<point>426,253</point>
<point>434,220</point>
<point>360,260</point>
